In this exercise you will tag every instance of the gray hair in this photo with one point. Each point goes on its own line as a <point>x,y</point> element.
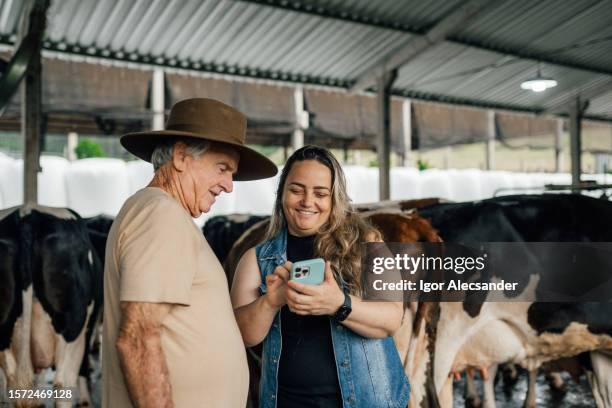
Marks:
<point>163,151</point>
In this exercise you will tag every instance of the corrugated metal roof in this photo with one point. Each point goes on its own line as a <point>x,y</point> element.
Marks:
<point>332,42</point>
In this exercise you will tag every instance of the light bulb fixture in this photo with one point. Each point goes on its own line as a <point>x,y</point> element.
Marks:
<point>538,83</point>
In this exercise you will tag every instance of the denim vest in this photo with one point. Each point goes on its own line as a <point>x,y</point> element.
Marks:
<point>370,371</point>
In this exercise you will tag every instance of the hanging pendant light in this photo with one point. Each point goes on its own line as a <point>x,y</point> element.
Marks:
<point>539,83</point>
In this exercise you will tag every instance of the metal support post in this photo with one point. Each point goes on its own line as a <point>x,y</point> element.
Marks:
<point>406,131</point>
<point>575,126</point>
<point>31,126</point>
<point>490,151</point>
<point>559,145</point>
<point>384,85</point>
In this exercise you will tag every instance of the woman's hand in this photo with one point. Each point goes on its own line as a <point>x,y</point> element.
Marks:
<point>323,299</point>
<point>276,282</point>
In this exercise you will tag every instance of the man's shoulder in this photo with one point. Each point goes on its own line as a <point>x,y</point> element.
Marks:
<point>151,200</point>
<point>151,206</point>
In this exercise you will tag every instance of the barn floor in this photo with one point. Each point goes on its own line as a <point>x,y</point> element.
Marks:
<point>577,395</point>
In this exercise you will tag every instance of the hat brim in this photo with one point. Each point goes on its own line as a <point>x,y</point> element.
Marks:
<point>252,165</point>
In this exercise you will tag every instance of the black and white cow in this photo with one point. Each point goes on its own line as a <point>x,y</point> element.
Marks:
<point>221,231</point>
<point>60,280</point>
<point>15,305</point>
<point>529,333</point>
<point>97,229</point>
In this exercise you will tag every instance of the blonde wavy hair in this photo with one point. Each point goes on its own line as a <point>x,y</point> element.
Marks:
<point>339,239</point>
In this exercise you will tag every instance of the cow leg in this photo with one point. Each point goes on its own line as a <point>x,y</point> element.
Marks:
<point>555,381</point>
<point>3,384</point>
<point>67,362</point>
<point>20,343</point>
<point>472,399</point>
<point>446,395</point>
<point>489,387</point>
<point>8,366</point>
<point>68,359</point>
<point>510,376</point>
<point>530,398</point>
<point>84,397</point>
<point>556,384</point>
<point>403,334</point>
<point>17,361</point>
<point>601,379</point>
<point>419,364</point>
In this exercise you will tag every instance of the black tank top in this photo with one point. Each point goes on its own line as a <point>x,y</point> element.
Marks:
<point>307,374</point>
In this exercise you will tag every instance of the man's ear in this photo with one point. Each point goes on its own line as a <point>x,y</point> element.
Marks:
<point>179,154</point>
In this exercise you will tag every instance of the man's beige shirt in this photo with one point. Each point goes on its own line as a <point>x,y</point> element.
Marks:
<point>155,253</point>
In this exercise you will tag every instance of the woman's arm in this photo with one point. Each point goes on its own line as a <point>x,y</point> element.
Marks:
<point>374,319</point>
<point>255,313</point>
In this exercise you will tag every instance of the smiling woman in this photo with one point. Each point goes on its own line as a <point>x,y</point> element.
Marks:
<point>322,345</point>
<point>307,197</point>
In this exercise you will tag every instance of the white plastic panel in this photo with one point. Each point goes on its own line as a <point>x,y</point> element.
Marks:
<point>139,174</point>
<point>97,186</point>
<point>52,181</point>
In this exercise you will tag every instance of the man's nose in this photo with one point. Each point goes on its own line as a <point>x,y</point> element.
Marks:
<point>227,184</point>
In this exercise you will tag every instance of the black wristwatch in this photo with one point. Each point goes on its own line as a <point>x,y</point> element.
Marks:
<point>344,310</point>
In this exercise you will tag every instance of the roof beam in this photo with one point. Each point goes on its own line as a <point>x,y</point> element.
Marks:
<point>418,45</point>
<point>587,95</point>
<point>372,21</point>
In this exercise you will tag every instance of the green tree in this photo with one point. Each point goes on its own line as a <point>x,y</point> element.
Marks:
<point>87,148</point>
<point>423,165</point>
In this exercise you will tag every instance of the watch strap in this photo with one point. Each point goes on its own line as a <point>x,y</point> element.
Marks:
<point>343,311</point>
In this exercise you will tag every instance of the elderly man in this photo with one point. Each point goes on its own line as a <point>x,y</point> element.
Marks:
<point>170,338</point>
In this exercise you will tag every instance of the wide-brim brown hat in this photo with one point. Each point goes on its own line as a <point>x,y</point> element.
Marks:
<point>208,119</point>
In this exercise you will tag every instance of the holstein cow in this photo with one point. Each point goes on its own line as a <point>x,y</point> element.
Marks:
<point>15,305</point>
<point>60,285</point>
<point>394,226</point>
<point>222,231</point>
<point>530,333</point>
<point>97,229</point>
